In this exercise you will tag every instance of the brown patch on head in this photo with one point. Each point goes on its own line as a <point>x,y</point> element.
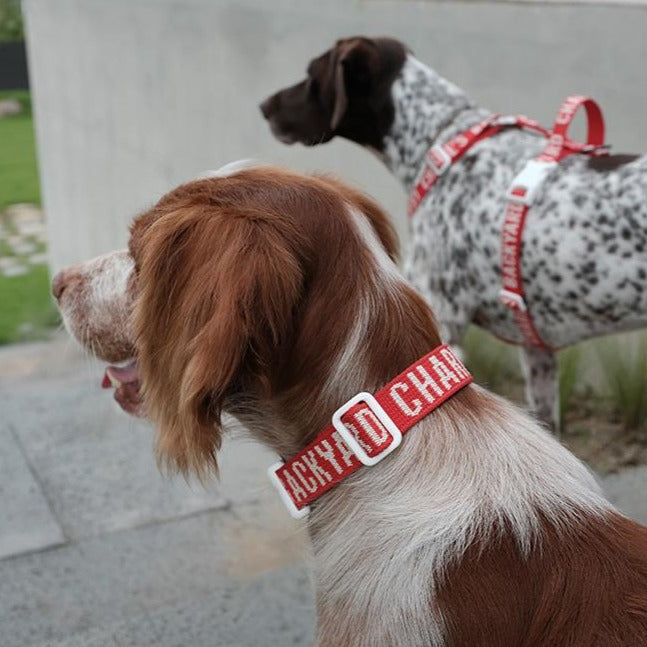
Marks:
<point>248,288</point>
<point>217,286</point>
<point>347,92</point>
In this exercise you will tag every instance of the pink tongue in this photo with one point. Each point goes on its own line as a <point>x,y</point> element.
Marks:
<point>124,374</point>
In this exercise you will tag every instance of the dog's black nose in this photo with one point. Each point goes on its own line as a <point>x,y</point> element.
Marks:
<point>266,107</point>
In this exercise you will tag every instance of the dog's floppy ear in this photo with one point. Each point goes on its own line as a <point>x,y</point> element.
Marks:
<point>360,66</point>
<point>352,65</point>
<point>217,292</point>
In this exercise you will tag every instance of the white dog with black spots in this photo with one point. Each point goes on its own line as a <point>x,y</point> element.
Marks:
<point>584,253</point>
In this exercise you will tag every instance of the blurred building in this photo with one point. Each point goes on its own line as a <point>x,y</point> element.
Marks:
<point>132,97</point>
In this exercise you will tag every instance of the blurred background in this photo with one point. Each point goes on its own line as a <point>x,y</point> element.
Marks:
<point>104,106</point>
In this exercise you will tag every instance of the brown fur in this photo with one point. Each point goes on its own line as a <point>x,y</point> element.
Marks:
<point>582,586</point>
<point>226,269</point>
<point>246,291</point>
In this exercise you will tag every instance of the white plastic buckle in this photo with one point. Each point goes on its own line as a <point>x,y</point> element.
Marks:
<point>525,185</point>
<point>350,439</point>
<point>439,159</point>
<point>295,513</point>
<point>518,300</point>
<point>505,120</point>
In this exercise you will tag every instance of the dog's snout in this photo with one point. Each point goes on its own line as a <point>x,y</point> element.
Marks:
<point>267,106</point>
<point>61,281</point>
<point>58,284</point>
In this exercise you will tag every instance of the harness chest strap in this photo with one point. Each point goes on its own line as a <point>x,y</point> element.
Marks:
<point>521,195</point>
<point>367,428</point>
<point>523,189</point>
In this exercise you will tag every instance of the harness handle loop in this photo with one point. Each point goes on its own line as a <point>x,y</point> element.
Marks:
<point>560,145</point>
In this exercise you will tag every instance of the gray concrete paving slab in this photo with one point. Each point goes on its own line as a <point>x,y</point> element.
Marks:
<point>27,523</point>
<point>148,561</point>
<point>137,631</point>
<point>112,584</point>
<point>95,463</point>
<point>275,609</point>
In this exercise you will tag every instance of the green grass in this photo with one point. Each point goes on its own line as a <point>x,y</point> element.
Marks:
<point>27,310</point>
<point>569,371</point>
<point>624,369</point>
<point>18,168</point>
<point>11,27</point>
<point>492,362</point>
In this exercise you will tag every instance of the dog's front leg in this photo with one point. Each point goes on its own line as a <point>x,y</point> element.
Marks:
<point>540,372</point>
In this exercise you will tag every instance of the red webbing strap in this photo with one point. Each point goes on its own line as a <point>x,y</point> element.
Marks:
<point>521,194</point>
<point>369,428</point>
<point>439,158</point>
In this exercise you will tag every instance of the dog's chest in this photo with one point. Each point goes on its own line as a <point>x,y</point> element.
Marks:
<point>455,235</point>
<point>584,243</point>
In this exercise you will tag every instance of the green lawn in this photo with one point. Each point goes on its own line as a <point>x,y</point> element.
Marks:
<point>18,169</point>
<point>26,309</point>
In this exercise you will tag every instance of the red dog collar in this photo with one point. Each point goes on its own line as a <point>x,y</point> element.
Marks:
<point>522,190</point>
<point>367,428</point>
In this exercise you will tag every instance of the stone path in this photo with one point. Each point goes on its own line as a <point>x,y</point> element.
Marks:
<point>98,549</point>
<point>22,239</point>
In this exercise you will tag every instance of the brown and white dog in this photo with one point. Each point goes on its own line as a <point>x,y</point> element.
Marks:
<point>274,297</point>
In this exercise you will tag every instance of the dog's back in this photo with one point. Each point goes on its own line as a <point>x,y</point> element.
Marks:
<point>584,586</point>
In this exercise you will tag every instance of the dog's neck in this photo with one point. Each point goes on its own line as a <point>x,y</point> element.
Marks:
<point>384,538</point>
<point>427,106</point>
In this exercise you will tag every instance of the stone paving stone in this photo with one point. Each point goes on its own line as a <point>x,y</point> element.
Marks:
<point>23,212</point>
<point>137,631</point>
<point>30,228</point>
<point>96,464</point>
<point>23,247</point>
<point>275,609</point>
<point>243,471</point>
<point>26,521</point>
<point>13,240</point>
<point>7,262</point>
<point>10,107</point>
<point>108,587</point>
<point>38,259</point>
<point>15,270</point>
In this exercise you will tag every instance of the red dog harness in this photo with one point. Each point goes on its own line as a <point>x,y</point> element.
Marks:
<point>522,191</point>
<point>367,428</point>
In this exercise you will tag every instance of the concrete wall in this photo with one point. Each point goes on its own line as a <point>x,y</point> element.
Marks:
<point>134,96</point>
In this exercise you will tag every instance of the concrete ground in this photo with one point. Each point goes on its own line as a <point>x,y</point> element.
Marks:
<point>98,549</point>
<point>22,239</point>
